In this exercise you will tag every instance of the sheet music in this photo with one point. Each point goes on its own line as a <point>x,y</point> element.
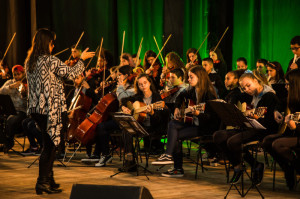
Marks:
<point>255,124</point>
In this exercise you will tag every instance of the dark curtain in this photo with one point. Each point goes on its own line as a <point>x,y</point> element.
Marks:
<point>257,29</point>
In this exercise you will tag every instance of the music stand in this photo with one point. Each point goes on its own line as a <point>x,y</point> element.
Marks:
<point>232,116</point>
<point>7,108</point>
<point>129,125</point>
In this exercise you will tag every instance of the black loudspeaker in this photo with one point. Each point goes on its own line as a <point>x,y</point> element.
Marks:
<point>80,191</point>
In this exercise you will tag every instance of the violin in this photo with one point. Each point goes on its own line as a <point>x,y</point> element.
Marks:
<point>217,61</point>
<point>107,84</point>
<point>166,94</point>
<point>72,62</point>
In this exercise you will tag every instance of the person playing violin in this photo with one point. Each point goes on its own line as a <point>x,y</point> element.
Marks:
<point>75,53</point>
<point>126,59</point>
<point>176,80</point>
<point>104,129</point>
<point>139,61</point>
<point>205,121</point>
<point>192,58</point>
<point>12,88</point>
<point>156,69</point>
<point>173,61</point>
<point>219,62</point>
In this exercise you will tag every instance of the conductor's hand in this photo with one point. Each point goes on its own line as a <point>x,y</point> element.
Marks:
<point>86,55</point>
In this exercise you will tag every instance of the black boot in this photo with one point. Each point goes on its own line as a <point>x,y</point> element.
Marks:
<point>43,185</point>
<point>52,183</point>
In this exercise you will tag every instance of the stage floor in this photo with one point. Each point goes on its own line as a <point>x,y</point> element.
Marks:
<point>18,181</point>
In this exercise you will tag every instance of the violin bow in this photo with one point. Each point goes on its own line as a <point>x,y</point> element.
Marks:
<point>221,39</point>
<point>160,51</point>
<point>122,44</point>
<point>76,44</point>
<point>103,78</point>
<point>61,52</point>
<point>12,39</point>
<point>162,59</point>
<point>201,44</point>
<point>138,54</point>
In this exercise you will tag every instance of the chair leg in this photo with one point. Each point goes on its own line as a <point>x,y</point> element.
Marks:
<point>274,174</point>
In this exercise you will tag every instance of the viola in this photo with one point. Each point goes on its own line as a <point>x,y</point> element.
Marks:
<point>169,92</point>
<point>85,132</point>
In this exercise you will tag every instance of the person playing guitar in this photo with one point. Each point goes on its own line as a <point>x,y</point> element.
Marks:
<point>200,91</point>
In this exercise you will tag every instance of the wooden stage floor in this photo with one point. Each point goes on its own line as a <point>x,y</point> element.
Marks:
<point>18,181</point>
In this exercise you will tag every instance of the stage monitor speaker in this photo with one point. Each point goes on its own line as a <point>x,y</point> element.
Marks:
<point>80,191</point>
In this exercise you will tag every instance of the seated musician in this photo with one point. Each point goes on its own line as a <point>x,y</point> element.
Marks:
<point>156,119</point>
<point>154,71</point>
<point>215,79</point>
<point>137,61</point>
<point>176,80</point>
<point>295,48</point>
<point>104,129</point>
<point>173,61</point>
<point>231,141</point>
<point>232,85</point>
<point>261,66</point>
<point>204,123</point>
<point>282,145</point>
<point>75,53</point>
<point>126,59</point>
<point>220,65</point>
<point>275,73</point>
<point>16,90</point>
<point>192,58</point>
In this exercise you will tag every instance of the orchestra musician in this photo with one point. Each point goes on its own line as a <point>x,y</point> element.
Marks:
<point>46,100</point>
<point>16,89</point>
<point>282,146</point>
<point>192,58</point>
<point>156,120</point>
<point>230,141</point>
<point>103,130</point>
<point>215,78</point>
<point>205,121</point>
<point>173,61</point>
<point>154,71</point>
<point>75,54</point>
<point>219,62</point>
<point>295,48</point>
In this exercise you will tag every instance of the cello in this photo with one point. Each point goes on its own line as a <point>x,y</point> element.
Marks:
<point>85,132</point>
<point>77,112</point>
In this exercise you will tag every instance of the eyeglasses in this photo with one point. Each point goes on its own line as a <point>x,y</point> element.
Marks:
<point>295,48</point>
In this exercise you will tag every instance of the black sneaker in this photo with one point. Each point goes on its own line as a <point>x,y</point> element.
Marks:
<point>93,158</point>
<point>103,160</point>
<point>174,173</point>
<point>258,173</point>
<point>236,176</point>
<point>164,159</point>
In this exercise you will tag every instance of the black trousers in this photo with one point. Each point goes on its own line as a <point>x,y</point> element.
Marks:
<point>48,153</point>
<point>178,131</point>
<point>32,132</point>
<point>230,143</point>
<point>14,126</point>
